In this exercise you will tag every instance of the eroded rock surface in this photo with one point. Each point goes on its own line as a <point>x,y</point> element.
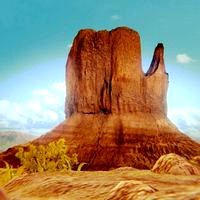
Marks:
<point>104,75</point>
<point>116,114</point>
<point>130,190</point>
<point>175,164</point>
<point>3,195</point>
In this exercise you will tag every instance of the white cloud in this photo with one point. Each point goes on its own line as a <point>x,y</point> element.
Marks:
<point>42,111</point>
<point>187,120</point>
<point>49,100</point>
<point>50,96</point>
<point>11,112</point>
<point>184,58</point>
<point>51,115</point>
<point>40,92</point>
<point>60,86</point>
<point>4,123</point>
<point>4,104</point>
<point>115,17</point>
<point>34,105</point>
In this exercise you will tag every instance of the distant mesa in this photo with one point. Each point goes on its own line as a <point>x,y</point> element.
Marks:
<point>116,115</point>
<point>12,138</point>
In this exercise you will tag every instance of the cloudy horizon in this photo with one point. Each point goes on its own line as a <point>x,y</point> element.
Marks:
<point>44,108</point>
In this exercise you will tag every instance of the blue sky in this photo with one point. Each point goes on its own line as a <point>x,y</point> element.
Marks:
<point>35,38</point>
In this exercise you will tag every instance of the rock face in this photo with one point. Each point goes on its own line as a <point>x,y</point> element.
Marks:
<point>175,164</point>
<point>104,75</point>
<point>196,160</point>
<point>3,196</point>
<point>116,113</point>
<point>130,190</point>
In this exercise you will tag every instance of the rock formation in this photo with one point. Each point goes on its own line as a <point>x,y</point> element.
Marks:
<point>196,160</point>
<point>175,164</point>
<point>130,190</point>
<point>116,115</point>
<point>104,75</point>
<point>3,196</point>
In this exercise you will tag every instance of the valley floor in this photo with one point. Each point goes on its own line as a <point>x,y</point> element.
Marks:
<point>122,183</point>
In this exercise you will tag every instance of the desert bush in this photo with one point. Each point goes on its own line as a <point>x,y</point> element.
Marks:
<point>9,172</point>
<point>42,158</point>
<point>6,174</point>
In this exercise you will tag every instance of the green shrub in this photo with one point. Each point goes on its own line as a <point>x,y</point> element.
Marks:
<point>52,157</point>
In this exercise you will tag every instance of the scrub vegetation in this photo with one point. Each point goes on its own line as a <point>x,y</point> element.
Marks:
<point>50,158</point>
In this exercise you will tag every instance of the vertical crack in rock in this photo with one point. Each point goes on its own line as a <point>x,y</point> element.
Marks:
<point>111,72</point>
<point>103,95</point>
<point>114,58</point>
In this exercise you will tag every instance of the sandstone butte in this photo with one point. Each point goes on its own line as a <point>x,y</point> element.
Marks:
<point>116,115</point>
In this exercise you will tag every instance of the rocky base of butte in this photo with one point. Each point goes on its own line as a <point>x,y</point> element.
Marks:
<point>116,115</point>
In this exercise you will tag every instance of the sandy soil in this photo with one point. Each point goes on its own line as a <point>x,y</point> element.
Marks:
<point>122,183</point>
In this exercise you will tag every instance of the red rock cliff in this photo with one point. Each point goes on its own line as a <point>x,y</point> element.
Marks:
<point>104,75</point>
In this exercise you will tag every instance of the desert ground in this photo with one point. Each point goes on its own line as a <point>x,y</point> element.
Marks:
<point>123,183</point>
